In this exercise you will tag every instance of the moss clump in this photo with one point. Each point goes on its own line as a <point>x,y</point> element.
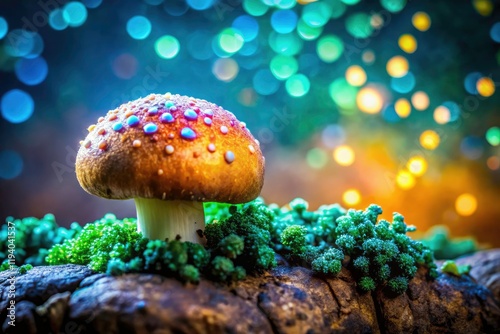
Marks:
<point>451,268</point>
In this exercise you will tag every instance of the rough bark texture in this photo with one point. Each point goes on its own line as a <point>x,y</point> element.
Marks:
<point>72,299</point>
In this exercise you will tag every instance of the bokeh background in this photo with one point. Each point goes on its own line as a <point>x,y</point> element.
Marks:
<point>392,102</point>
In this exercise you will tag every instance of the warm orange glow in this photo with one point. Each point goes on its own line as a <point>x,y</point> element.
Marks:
<point>397,66</point>
<point>403,107</point>
<point>344,155</point>
<point>417,165</point>
<point>466,204</point>
<point>442,115</point>
<point>493,163</point>
<point>407,43</point>
<point>429,139</point>
<point>351,197</point>
<point>421,21</point>
<point>405,180</point>
<point>420,100</point>
<point>369,100</point>
<point>485,87</point>
<point>355,75</point>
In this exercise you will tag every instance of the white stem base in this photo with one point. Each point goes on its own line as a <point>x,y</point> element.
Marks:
<point>158,219</point>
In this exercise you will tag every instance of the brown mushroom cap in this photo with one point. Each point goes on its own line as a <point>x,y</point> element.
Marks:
<point>171,147</point>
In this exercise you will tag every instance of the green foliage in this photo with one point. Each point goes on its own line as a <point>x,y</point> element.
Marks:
<point>444,247</point>
<point>450,267</point>
<point>329,262</point>
<point>24,268</point>
<point>294,237</point>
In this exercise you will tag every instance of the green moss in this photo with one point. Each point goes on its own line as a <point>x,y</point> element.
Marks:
<point>451,268</point>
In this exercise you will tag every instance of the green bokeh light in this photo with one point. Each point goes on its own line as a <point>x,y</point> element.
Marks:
<point>338,8</point>
<point>393,6</point>
<point>358,25</point>
<point>230,40</point>
<point>307,32</point>
<point>285,44</point>
<point>316,14</point>
<point>329,48</point>
<point>343,94</point>
<point>297,85</point>
<point>350,2</point>
<point>286,4</point>
<point>283,67</point>
<point>167,47</point>
<point>493,136</point>
<point>317,158</point>
<point>255,7</point>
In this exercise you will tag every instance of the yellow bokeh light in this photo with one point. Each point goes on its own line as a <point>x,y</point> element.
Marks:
<point>344,155</point>
<point>397,66</point>
<point>466,204</point>
<point>369,100</point>
<point>351,197</point>
<point>403,107</point>
<point>429,139</point>
<point>421,21</point>
<point>483,7</point>
<point>405,180</point>
<point>485,87</point>
<point>407,43</point>
<point>493,163</point>
<point>417,165</point>
<point>442,115</point>
<point>420,100</point>
<point>355,75</point>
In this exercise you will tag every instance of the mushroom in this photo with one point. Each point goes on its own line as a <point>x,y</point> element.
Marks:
<point>171,153</point>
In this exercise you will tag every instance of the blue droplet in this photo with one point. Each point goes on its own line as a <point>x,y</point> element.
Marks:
<point>139,27</point>
<point>208,112</point>
<point>169,104</point>
<point>200,4</point>
<point>190,114</point>
<point>188,133</point>
<point>133,121</point>
<point>17,106</point>
<point>167,118</point>
<point>248,27</point>
<point>12,164</point>
<point>31,71</point>
<point>229,157</point>
<point>117,126</point>
<point>284,21</point>
<point>404,84</point>
<point>75,13</point>
<point>207,121</point>
<point>150,128</point>
<point>56,20</point>
<point>495,32</point>
<point>153,110</point>
<point>4,27</point>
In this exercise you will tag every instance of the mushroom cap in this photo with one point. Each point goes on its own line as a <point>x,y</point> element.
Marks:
<point>171,147</point>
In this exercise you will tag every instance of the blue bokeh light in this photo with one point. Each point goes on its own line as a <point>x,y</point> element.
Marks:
<point>404,84</point>
<point>247,26</point>
<point>200,4</point>
<point>495,32</point>
<point>390,115</point>
<point>139,27</point>
<point>4,27</point>
<point>199,45</point>
<point>31,71</point>
<point>454,110</point>
<point>92,3</point>
<point>333,135</point>
<point>176,7</point>
<point>75,13</point>
<point>265,83</point>
<point>17,106</point>
<point>249,48</point>
<point>472,147</point>
<point>11,164</point>
<point>56,20</point>
<point>470,82</point>
<point>284,21</point>
<point>19,43</point>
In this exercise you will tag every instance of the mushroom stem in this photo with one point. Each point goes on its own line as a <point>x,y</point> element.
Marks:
<point>159,219</point>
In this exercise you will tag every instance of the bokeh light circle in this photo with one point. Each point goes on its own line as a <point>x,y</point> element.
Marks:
<point>284,21</point>
<point>31,71</point>
<point>402,107</point>
<point>397,66</point>
<point>393,6</point>
<point>175,8</point>
<point>417,165</point>
<point>199,44</point>
<point>297,85</point>
<point>404,84</point>
<point>92,3</point>
<point>359,25</point>
<point>442,115</point>
<point>420,100</point>
<point>200,4</point>
<point>75,13</point>
<point>429,139</point>
<point>421,21</point>
<point>125,66</point>
<point>138,27</point>
<point>11,166</point>
<point>454,110</point>
<point>316,14</point>
<point>485,87</point>
<point>329,48</point>
<point>56,20</point>
<point>316,158</point>
<point>466,204</point>
<point>308,33</point>
<point>285,44</point>
<point>167,47</point>
<point>255,7</point>
<point>225,69</point>
<point>4,27</point>
<point>493,163</point>
<point>493,136</point>
<point>390,115</point>
<point>368,57</point>
<point>495,32</point>
<point>230,40</point>
<point>407,43</point>
<point>405,180</point>
<point>17,106</point>
<point>470,82</point>
<point>265,83</point>
<point>23,43</point>
<point>351,197</point>
<point>283,67</point>
<point>344,155</point>
<point>343,94</point>
<point>370,100</point>
<point>472,147</point>
<point>333,135</point>
<point>247,26</point>
<point>355,75</point>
